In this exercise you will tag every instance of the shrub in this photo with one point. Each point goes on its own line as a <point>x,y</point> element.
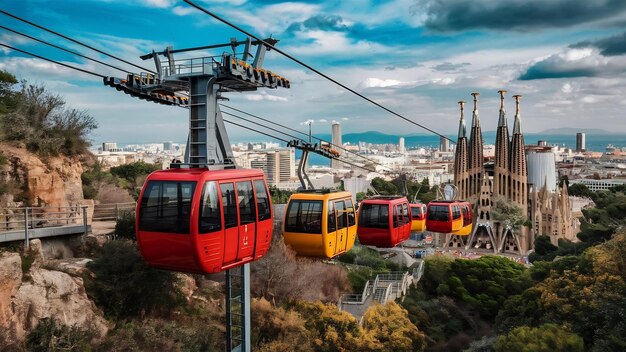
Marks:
<point>125,286</point>
<point>48,336</point>
<point>40,120</point>
<point>125,226</point>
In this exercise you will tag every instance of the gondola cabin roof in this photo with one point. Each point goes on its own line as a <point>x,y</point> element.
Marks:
<point>197,173</point>
<point>385,200</point>
<point>321,195</point>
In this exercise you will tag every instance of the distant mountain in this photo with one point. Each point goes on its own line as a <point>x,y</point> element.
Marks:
<point>570,130</point>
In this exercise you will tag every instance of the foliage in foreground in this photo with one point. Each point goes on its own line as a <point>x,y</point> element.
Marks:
<point>545,338</point>
<point>50,336</point>
<point>125,286</point>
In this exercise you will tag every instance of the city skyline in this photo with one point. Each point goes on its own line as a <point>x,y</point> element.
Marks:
<point>415,57</point>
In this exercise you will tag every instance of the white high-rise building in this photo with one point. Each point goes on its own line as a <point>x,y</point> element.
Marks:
<point>336,140</point>
<point>401,148</point>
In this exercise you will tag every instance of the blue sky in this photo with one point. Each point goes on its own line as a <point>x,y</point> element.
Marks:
<point>418,57</point>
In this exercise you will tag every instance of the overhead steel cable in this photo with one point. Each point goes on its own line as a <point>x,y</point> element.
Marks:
<point>269,128</point>
<point>285,141</point>
<point>303,133</point>
<point>257,131</point>
<point>53,61</point>
<point>74,40</point>
<point>63,49</point>
<point>191,3</point>
<point>278,138</point>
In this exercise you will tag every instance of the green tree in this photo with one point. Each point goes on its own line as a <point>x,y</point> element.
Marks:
<point>134,174</point>
<point>8,95</point>
<point>545,338</point>
<point>509,213</point>
<point>579,190</point>
<point>384,187</point>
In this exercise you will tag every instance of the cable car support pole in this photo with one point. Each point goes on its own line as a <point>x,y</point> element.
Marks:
<point>197,85</point>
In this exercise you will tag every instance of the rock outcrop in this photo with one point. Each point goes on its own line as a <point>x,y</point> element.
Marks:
<point>53,181</point>
<point>41,292</point>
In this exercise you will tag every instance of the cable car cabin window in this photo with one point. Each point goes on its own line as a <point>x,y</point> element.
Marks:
<point>210,219</point>
<point>342,215</point>
<point>467,216</point>
<point>229,204</point>
<point>416,212</point>
<point>374,216</point>
<point>262,200</point>
<point>456,212</point>
<point>166,206</point>
<point>439,213</point>
<point>350,210</point>
<point>332,218</point>
<point>304,216</point>
<point>396,216</point>
<point>247,208</point>
<point>405,214</point>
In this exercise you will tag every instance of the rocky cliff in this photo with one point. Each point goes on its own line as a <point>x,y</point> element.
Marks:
<point>31,291</point>
<point>50,181</point>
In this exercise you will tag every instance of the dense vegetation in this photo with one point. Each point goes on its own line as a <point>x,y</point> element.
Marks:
<point>424,192</point>
<point>32,116</point>
<point>572,299</point>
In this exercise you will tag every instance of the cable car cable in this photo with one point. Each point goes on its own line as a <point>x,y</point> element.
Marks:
<point>269,128</point>
<point>191,3</point>
<point>285,141</point>
<point>224,112</point>
<point>73,40</point>
<point>62,48</point>
<point>303,133</point>
<point>53,61</point>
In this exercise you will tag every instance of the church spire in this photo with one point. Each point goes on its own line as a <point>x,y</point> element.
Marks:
<point>502,120</point>
<point>475,117</point>
<point>462,132</point>
<point>517,125</point>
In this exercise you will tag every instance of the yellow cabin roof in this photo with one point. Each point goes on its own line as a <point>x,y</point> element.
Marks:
<point>321,196</point>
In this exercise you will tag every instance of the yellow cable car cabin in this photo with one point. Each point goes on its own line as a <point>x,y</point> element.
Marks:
<point>418,217</point>
<point>320,224</point>
<point>466,210</point>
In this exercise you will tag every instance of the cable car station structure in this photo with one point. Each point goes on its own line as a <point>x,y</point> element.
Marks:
<point>197,84</point>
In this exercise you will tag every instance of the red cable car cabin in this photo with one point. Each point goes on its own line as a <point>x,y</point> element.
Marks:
<point>445,216</point>
<point>384,221</point>
<point>201,221</point>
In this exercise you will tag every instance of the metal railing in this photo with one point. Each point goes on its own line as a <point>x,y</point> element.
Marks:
<point>28,219</point>
<point>112,211</point>
<point>201,65</point>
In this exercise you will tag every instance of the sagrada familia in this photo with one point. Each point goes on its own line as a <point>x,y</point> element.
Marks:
<point>549,213</point>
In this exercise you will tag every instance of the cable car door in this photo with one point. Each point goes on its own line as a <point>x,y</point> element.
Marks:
<point>231,223</point>
<point>397,224</point>
<point>342,227</point>
<point>247,219</point>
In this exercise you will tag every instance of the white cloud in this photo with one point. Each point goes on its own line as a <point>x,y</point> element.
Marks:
<point>322,120</point>
<point>567,88</point>
<point>264,96</point>
<point>381,83</point>
<point>158,3</point>
<point>318,42</point>
<point>183,10</point>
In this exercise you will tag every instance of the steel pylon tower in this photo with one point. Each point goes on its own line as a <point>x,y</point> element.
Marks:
<point>198,84</point>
